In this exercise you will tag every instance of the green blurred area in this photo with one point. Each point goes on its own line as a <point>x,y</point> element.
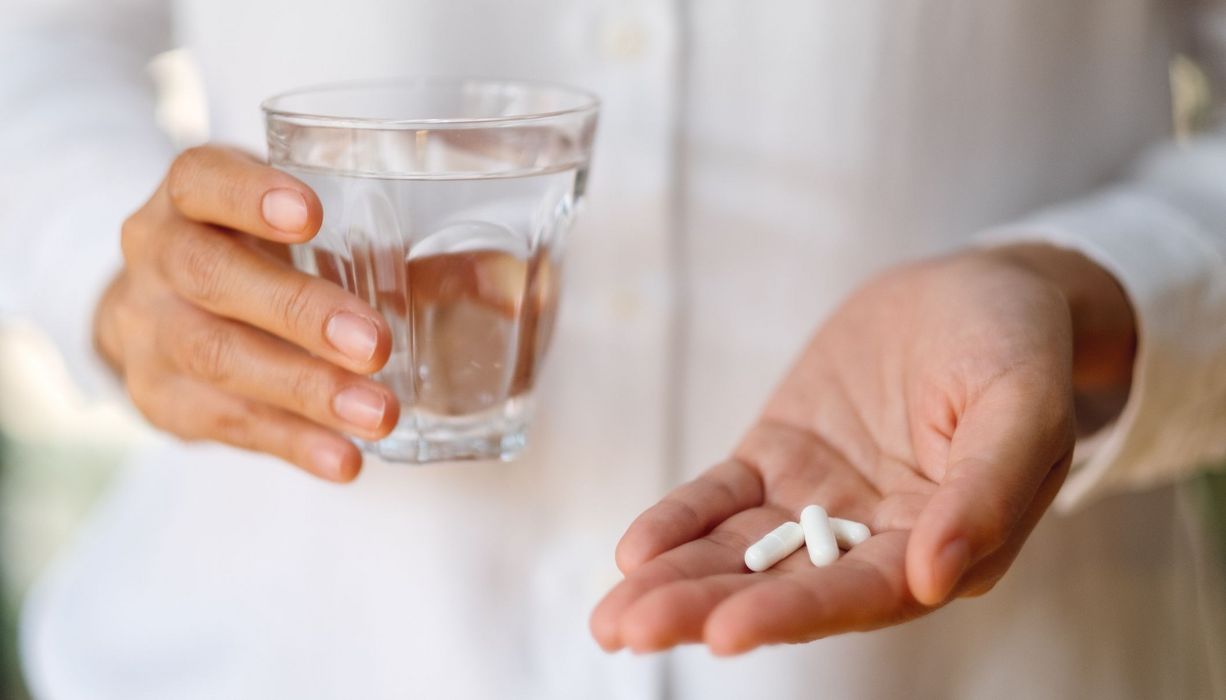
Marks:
<point>1210,489</point>
<point>46,490</point>
<point>58,452</point>
<point>10,675</point>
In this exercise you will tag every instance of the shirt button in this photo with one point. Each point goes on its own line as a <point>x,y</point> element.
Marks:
<point>626,306</point>
<point>624,39</point>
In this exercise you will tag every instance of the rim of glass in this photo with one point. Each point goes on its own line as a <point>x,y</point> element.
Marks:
<point>587,102</point>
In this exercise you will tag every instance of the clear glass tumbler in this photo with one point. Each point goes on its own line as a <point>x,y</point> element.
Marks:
<point>446,203</point>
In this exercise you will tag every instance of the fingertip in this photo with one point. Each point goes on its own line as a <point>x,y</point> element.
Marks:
<point>292,209</point>
<point>359,334</point>
<point>285,211</point>
<point>315,213</point>
<point>724,637</point>
<point>604,628</point>
<point>609,647</point>
<point>641,637</point>
<point>917,566</point>
<point>642,541</point>
<point>608,619</point>
<point>350,466</point>
<point>655,622</point>
<point>654,532</point>
<point>334,459</point>
<point>231,188</point>
<point>951,563</point>
<point>383,344</point>
<point>391,414</point>
<point>630,553</point>
<point>934,572</point>
<point>727,650</point>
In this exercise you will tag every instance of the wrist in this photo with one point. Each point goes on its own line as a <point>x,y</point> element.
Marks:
<point>1104,327</point>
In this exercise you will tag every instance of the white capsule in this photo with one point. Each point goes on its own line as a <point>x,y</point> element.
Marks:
<point>849,533</point>
<point>819,538</point>
<point>777,544</point>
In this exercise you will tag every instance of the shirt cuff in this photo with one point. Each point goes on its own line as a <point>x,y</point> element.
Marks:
<point>1174,420</point>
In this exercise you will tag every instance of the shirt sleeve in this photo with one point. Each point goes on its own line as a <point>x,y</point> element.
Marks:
<point>1162,234</point>
<point>79,150</point>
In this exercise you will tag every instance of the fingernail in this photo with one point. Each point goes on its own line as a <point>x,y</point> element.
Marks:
<point>360,407</point>
<point>353,335</point>
<point>328,459</point>
<point>952,562</point>
<point>285,210</point>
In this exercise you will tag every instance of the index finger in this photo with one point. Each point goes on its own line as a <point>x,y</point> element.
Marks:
<point>228,187</point>
<point>722,551</point>
<point>689,512</point>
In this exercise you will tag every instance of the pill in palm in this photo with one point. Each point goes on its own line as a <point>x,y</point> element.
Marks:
<point>777,545</point>
<point>819,537</point>
<point>849,533</point>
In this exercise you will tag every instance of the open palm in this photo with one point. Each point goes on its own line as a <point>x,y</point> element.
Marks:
<point>935,406</point>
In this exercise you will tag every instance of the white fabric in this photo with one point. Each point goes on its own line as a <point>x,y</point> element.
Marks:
<point>755,162</point>
<point>1131,232</point>
<point>79,145</point>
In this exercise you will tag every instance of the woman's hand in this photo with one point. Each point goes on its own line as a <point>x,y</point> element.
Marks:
<point>217,337</point>
<point>936,406</point>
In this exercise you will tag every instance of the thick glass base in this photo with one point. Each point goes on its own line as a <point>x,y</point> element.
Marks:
<point>420,437</point>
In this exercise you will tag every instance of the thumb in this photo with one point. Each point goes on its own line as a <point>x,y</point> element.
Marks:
<point>1009,438</point>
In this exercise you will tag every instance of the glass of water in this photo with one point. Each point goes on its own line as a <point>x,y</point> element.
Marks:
<point>446,203</point>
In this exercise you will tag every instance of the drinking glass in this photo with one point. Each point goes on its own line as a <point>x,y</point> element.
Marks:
<point>446,205</point>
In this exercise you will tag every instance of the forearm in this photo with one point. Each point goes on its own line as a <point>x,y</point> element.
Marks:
<point>1104,328</point>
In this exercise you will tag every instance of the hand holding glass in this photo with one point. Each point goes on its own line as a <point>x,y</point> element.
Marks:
<point>446,203</point>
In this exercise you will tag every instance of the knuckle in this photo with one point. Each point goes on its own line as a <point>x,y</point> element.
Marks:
<point>233,428</point>
<point>201,268</point>
<point>293,304</point>
<point>130,237</point>
<point>188,428</point>
<point>176,417</point>
<point>141,396</point>
<point>166,329</point>
<point>306,388</point>
<point>681,511</point>
<point>183,173</point>
<point>126,320</point>
<point>208,355</point>
<point>127,309</point>
<point>231,192</point>
<point>145,396</point>
<point>167,340</point>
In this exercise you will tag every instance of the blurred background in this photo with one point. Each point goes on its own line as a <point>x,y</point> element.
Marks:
<point>59,451</point>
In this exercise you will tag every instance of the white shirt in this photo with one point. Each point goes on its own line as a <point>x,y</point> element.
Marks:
<point>755,161</point>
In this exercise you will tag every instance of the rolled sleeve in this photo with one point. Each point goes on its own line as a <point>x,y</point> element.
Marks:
<point>1169,255</point>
